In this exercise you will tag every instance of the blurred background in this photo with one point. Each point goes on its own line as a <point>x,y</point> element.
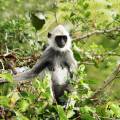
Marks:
<point>24,25</point>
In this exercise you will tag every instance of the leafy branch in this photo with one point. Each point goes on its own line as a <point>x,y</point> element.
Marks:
<point>107,81</point>
<point>96,32</point>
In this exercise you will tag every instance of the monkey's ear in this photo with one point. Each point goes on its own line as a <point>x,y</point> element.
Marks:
<point>49,34</point>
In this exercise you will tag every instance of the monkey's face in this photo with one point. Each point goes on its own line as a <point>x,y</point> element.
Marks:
<point>61,40</point>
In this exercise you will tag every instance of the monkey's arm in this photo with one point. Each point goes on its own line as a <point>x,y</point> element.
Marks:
<point>37,68</point>
<point>42,63</point>
<point>70,62</point>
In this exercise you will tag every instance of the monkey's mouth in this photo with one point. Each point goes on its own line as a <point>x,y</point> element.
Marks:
<point>60,45</point>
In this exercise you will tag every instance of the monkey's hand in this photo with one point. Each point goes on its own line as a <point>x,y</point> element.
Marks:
<point>65,64</point>
<point>69,58</point>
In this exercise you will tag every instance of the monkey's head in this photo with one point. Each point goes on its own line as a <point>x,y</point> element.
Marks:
<point>59,38</point>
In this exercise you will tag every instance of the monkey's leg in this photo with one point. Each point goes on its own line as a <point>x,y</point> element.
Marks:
<point>58,92</point>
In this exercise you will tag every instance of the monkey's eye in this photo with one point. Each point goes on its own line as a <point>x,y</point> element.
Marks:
<point>60,37</point>
<point>64,37</point>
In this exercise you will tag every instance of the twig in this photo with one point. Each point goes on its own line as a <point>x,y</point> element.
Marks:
<point>106,82</point>
<point>96,116</point>
<point>107,118</point>
<point>3,67</point>
<point>96,32</point>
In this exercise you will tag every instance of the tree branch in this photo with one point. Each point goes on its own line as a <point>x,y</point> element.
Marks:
<point>96,32</point>
<point>107,81</point>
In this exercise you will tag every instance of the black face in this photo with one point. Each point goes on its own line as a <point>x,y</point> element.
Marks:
<point>61,40</point>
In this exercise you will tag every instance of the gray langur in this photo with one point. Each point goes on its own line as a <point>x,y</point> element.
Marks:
<point>58,59</point>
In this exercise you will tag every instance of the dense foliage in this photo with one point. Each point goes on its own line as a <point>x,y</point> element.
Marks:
<point>95,28</point>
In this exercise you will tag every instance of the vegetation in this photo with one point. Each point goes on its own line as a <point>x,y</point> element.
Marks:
<point>95,28</point>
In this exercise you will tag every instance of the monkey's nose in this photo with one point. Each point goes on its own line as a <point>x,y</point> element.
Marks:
<point>63,41</point>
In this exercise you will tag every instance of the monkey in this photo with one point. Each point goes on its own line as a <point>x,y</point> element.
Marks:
<point>58,58</point>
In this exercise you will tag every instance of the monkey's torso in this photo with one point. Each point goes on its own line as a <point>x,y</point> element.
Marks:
<point>59,64</point>
<point>59,69</point>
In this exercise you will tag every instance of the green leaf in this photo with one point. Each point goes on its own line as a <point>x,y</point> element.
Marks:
<point>29,96</point>
<point>4,101</point>
<point>23,105</point>
<point>82,67</point>
<point>113,108</point>
<point>86,5</point>
<point>61,113</point>
<point>14,97</point>
<point>70,113</point>
<point>19,116</point>
<point>7,76</point>
<point>87,13</point>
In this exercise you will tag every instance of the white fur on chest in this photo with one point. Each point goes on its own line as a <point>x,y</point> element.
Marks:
<point>60,76</point>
